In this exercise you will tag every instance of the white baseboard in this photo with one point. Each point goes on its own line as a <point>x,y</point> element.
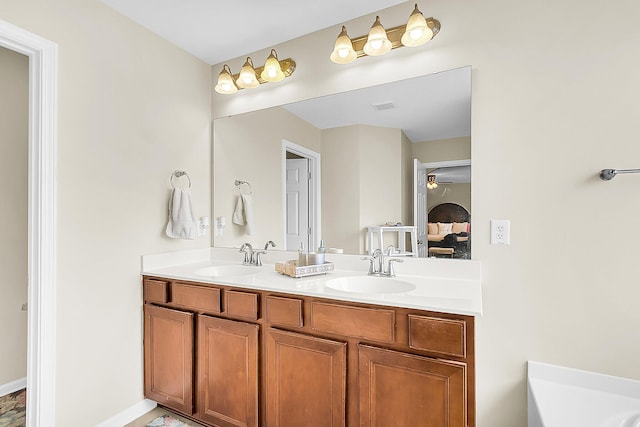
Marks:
<point>129,414</point>
<point>13,386</point>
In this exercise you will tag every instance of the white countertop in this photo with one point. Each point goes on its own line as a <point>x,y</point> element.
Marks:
<point>448,286</point>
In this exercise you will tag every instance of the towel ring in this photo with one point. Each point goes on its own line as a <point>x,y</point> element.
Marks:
<point>178,174</point>
<point>238,183</point>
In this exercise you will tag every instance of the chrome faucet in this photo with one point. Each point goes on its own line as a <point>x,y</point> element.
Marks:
<point>376,263</point>
<point>251,256</point>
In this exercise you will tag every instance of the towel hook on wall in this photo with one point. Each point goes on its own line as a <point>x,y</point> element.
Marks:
<point>238,183</point>
<point>609,174</point>
<point>178,174</point>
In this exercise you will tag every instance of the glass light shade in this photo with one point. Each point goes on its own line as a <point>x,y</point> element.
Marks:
<point>377,42</point>
<point>431,182</point>
<point>247,78</point>
<point>417,31</point>
<point>343,52</point>
<point>226,85</point>
<point>272,71</point>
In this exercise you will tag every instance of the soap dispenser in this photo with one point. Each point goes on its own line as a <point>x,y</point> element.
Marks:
<point>302,256</point>
<point>321,251</point>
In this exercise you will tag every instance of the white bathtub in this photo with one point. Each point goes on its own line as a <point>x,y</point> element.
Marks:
<point>565,397</point>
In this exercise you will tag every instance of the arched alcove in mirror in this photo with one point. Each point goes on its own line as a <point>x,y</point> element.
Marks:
<point>350,167</point>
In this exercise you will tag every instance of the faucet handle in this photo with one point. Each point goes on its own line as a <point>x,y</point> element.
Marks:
<point>391,270</point>
<point>371,261</point>
<point>256,258</point>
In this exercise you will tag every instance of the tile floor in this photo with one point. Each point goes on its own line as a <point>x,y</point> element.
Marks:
<point>12,409</point>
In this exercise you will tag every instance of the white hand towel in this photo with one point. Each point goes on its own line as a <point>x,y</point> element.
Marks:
<point>243,213</point>
<point>181,223</point>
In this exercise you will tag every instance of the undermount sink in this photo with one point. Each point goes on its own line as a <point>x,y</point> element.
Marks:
<point>228,270</point>
<point>370,285</point>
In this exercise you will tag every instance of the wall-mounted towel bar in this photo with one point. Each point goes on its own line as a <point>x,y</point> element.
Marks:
<point>238,183</point>
<point>608,174</point>
<point>178,174</point>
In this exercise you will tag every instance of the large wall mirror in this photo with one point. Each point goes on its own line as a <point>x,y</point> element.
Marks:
<point>387,165</point>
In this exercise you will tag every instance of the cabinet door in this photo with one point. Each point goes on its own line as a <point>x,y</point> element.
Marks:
<point>168,357</point>
<point>227,360</point>
<point>306,380</point>
<point>404,390</point>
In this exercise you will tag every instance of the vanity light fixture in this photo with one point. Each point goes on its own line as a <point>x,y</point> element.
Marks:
<point>274,70</point>
<point>432,184</point>
<point>416,32</point>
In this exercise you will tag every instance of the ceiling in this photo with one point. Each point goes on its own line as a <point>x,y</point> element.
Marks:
<point>216,31</point>
<point>427,108</point>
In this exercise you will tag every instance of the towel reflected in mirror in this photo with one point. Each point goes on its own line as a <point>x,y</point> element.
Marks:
<point>243,213</point>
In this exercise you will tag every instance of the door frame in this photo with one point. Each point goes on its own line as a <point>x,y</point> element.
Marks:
<point>314,191</point>
<point>447,164</point>
<point>41,293</point>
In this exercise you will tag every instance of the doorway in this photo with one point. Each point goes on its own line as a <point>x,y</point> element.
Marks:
<point>14,97</point>
<point>301,197</point>
<point>421,171</point>
<point>41,213</point>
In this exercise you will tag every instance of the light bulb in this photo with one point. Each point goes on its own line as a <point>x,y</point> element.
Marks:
<point>415,33</point>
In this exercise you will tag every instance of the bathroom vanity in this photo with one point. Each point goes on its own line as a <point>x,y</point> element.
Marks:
<point>261,349</point>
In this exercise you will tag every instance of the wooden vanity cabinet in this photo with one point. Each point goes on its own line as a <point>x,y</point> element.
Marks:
<point>255,358</point>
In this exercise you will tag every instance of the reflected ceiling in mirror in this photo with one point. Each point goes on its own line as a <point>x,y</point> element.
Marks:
<point>362,145</point>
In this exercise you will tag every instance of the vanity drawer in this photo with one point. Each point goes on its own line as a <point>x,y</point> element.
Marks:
<point>284,311</point>
<point>368,323</point>
<point>155,291</point>
<point>203,298</point>
<point>446,336</point>
<point>241,304</point>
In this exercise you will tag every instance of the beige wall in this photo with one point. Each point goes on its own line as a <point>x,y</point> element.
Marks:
<point>132,108</point>
<point>406,171</point>
<point>544,102</point>
<point>341,188</point>
<point>249,148</point>
<point>361,183</point>
<point>14,127</point>
<point>442,150</point>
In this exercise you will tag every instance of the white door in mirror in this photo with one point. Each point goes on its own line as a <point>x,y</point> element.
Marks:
<point>500,233</point>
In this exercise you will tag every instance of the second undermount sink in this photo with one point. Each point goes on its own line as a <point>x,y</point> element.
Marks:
<point>228,270</point>
<point>370,285</point>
